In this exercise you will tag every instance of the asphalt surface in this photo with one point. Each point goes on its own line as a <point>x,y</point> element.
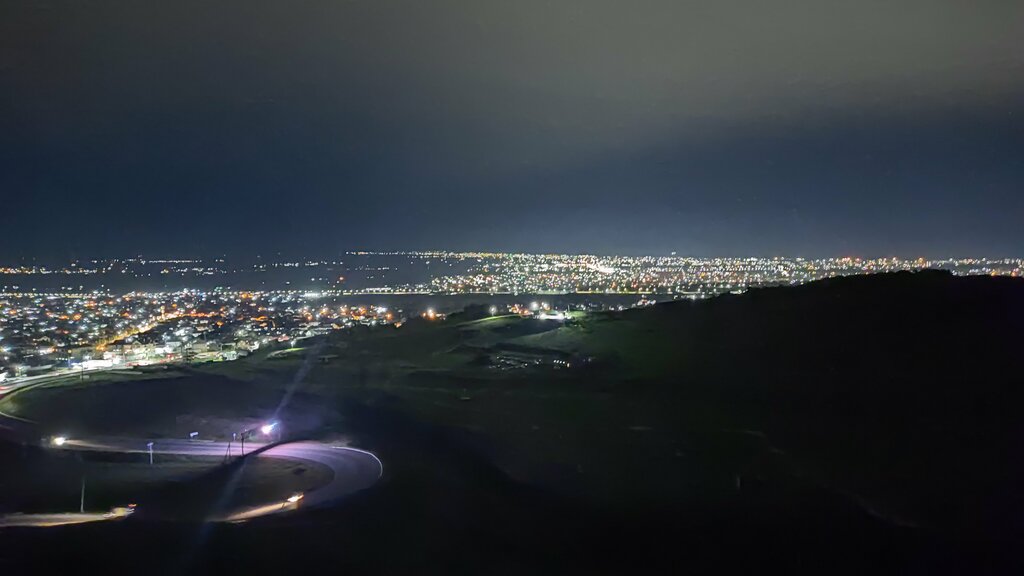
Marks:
<point>352,470</point>
<point>48,520</point>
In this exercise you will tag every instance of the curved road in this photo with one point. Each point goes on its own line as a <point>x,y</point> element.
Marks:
<point>353,470</point>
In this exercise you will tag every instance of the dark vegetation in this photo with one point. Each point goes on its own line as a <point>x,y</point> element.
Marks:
<point>856,424</point>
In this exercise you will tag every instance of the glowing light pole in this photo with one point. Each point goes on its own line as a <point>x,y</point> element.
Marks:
<point>150,446</point>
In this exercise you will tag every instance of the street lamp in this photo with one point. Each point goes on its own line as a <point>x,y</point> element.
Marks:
<point>59,440</point>
<point>267,428</point>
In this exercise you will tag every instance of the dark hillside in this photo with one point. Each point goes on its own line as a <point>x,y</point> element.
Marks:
<point>906,387</point>
<point>861,425</point>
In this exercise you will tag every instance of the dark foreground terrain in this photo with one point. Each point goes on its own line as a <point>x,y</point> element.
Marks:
<point>856,425</point>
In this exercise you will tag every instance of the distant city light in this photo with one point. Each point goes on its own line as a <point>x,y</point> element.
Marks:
<point>74,329</point>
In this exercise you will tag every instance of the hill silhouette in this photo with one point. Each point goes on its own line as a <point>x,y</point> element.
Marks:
<point>904,389</point>
<point>860,424</point>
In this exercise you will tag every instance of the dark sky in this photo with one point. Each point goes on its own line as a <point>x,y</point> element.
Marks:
<point>792,127</point>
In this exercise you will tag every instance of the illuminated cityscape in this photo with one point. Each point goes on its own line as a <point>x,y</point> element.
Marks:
<point>519,288</point>
<point>52,333</point>
<point>474,273</point>
<point>79,327</point>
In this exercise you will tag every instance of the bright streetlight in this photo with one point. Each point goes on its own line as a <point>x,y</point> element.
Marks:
<point>59,440</point>
<point>294,498</point>
<point>268,428</point>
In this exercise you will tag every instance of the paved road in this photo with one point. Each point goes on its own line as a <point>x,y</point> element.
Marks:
<point>48,520</point>
<point>11,385</point>
<point>353,470</point>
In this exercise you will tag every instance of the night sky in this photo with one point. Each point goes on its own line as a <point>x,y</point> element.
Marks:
<point>799,127</point>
